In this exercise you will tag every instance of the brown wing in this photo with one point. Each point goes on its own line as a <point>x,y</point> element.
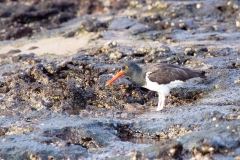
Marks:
<point>166,73</point>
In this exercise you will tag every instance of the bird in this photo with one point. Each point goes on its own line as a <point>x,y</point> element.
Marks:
<point>159,77</point>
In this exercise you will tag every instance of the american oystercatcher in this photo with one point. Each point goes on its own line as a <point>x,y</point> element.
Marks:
<point>159,77</point>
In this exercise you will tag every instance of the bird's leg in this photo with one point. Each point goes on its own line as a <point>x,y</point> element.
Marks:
<point>161,100</point>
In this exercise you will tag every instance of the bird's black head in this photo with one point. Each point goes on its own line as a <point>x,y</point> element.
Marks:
<point>130,68</point>
<point>133,71</point>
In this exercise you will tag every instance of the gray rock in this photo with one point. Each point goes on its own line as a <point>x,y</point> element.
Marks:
<point>121,23</point>
<point>139,28</point>
<point>57,106</point>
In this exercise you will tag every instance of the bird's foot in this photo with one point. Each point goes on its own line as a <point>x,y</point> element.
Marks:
<point>159,108</point>
<point>161,100</point>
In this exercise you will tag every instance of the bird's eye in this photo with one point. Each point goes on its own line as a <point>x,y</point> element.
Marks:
<point>126,67</point>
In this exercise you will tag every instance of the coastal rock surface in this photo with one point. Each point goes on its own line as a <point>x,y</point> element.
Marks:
<point>56,57</point>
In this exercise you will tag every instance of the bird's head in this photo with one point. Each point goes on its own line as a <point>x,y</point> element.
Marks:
<point>127,69</point>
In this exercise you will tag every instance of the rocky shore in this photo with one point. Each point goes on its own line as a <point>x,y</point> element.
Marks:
<point>56,56</point>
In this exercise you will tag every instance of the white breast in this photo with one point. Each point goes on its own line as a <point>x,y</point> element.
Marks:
<point>163,88</point>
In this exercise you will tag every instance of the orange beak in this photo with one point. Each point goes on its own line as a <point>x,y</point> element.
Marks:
<point>119,74</point>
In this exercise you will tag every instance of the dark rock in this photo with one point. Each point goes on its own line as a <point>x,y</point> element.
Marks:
<point>32,48</point>
<point>22,57</point>
<point>28,17</point>
<point>18,33</point>
<point>91,24</point>
<point>189,51</point>
<point>151,19</point>
<point>215,38</point>
<point>69,34</point>
<point>5,13</point>
<point>3,87</point>
<point>14,51</point>
<point>62,17</point>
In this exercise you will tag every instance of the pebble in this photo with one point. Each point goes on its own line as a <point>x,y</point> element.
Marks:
<point>217,86</point>
<point>237,23</point>
<point>189,51</point>
<point>237,81</point>
<point>115,55</point>
<point>107,46</point>
<point>111,44</point>
<point>198,6</point>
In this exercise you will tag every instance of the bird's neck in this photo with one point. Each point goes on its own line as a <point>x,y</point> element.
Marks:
<point>138,77</point>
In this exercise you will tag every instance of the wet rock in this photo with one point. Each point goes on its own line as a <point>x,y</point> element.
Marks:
<point>125,23</point>
<point>207,143</point>
<point>61,108</point>
<point>139,28</point>
<point>45,145</point>
<point>89,139</point>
